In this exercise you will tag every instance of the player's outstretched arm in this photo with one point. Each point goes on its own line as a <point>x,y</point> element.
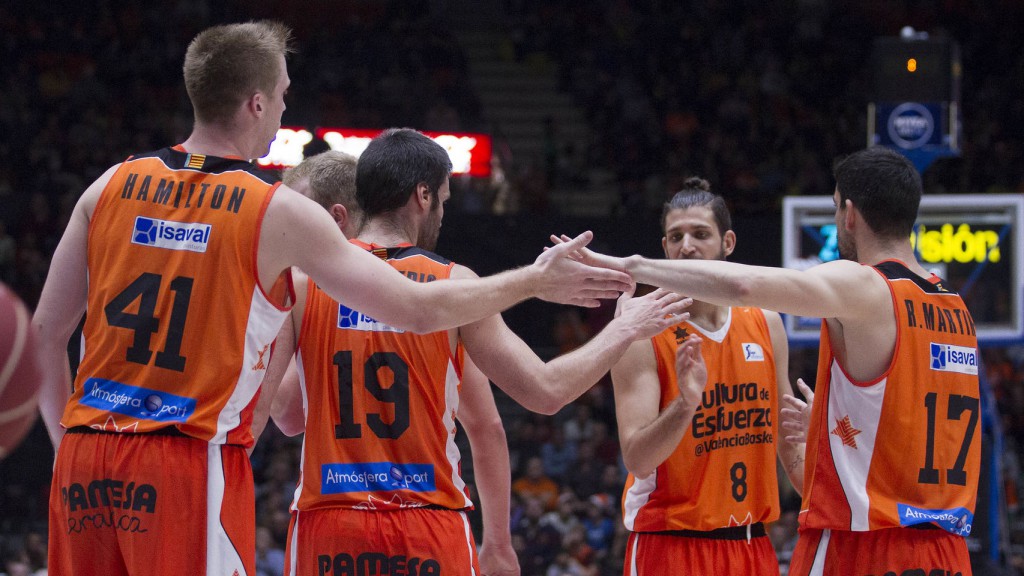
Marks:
<point>479,416</point>
<point>564,280</point>
<point>648,435</point>
<point>298,232</point>
<point>840,289</point>
<point>62,304</point>
<point>545,387</point>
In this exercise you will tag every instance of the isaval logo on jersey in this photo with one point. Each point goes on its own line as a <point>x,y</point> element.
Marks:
<point>376,477</point>
<point>190,236</point>
<point>349,319</point>
<point>137,402</point>
<point>956,520</point>
<point>950,358</point>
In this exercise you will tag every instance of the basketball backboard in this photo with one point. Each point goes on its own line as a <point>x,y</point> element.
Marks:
<point>974,241</point>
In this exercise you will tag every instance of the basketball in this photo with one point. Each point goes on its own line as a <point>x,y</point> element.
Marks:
<point>20,372</point>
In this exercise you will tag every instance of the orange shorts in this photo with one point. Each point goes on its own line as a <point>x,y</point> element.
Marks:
<point>338,541</point>
<point>147,504</point>
<point>648,554</point>
<point>889,552</point>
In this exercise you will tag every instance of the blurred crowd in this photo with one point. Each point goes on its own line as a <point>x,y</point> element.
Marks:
<point>84,85</point>
<point>757,97</point>
<point>760,97</point>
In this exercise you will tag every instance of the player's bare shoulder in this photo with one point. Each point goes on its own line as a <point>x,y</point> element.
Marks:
<point>842,269</point>
<point>860,289</point>
<point>773,319</point>
<point>88,200</point>
<point>460,272</point>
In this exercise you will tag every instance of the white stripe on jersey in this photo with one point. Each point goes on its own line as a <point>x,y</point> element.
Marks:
<point>637,496</point>
<point>264,322</point>
<point>632,556</point>
<point>294,541</point>
<point>469,541</point>
<point>221,556</point>
<point>863,406</point>
<point>300,368</point>
<point>81,335</point>
<point>451,401</point>
<point>818,566</point>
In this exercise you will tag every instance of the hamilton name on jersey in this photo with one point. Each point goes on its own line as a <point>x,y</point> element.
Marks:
<point>169,192</point>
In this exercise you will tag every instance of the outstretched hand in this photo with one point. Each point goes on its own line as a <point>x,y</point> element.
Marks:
<point>796,414</point>
<point>691,372</point>
<point>566,279</point>
<point>651,314</point>
<point>591,258</point>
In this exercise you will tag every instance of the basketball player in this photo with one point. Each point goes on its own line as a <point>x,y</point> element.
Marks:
<point>697,408</point>
<point>380,472</point>
<point>893,452</point>
<point>181,257</point>
<point>329,178</point>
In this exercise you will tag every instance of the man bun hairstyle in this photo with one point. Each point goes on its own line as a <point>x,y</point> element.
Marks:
<point>697,192</point>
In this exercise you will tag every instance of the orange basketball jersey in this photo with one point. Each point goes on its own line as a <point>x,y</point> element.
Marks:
<point>178,329</point>
<point>903,449</point>
<point>723,471</point>
<point>380,404</point>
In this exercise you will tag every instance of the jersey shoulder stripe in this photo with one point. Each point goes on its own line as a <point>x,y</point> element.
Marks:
<point>893,270</point>
<point>402,252</point>
<point>177,160</point>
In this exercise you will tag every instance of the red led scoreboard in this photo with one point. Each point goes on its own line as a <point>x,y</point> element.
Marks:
<point>470,153</point>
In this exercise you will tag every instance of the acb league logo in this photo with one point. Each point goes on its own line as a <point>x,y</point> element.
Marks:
<point>911,125</point>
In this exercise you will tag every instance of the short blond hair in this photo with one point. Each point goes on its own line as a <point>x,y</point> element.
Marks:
<point>332,179</point>
<point>226,64</point>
